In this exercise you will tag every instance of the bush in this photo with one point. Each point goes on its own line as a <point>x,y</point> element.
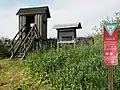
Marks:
<point>4,48</point>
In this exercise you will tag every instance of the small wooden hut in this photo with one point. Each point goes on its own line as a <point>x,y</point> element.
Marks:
<point>66,33</point>
<point>32,30</point>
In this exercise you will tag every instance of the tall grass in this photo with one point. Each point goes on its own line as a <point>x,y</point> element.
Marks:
<point>78,68</point>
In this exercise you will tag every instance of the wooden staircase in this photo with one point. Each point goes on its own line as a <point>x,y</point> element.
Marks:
<point>21,44</point>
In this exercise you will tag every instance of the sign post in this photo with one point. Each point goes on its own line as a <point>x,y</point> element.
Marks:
<point>110,51</point>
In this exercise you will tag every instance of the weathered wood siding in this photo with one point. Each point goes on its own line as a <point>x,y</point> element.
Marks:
<point>44,22</point>
<point>38,22</point>
<point>22,22</point>
<point>41,22</point>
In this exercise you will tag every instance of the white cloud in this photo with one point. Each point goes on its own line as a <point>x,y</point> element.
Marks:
<point>9,21</point>
<point>89,13</point>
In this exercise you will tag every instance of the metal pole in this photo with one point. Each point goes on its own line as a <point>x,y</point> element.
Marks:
<point>110,78</point>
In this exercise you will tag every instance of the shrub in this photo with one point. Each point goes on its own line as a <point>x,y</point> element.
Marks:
<point>4,48</point>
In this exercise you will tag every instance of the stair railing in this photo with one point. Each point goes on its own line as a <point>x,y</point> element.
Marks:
<point>27,41</point>
<point>29,46</point>
<point>37,31</point>
<point>33,33</point>
<point>24,40</point>
<point>14,41</point>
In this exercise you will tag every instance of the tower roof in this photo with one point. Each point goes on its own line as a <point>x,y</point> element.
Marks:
<point>34,10</point>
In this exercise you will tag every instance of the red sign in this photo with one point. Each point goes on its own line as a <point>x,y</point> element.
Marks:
<point>110,44</point>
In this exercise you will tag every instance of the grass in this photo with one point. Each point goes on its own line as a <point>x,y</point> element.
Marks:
<point>11,73</point>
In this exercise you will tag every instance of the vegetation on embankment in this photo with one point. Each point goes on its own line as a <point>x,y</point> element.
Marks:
<point>79,68</point>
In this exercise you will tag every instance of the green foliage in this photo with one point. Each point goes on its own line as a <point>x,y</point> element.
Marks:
<point>4,47</point>
<point>78,68</point>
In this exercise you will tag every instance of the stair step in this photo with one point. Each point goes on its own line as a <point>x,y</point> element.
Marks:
<point>19,55</point>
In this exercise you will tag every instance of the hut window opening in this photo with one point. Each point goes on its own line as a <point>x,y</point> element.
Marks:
<point>30,20</point>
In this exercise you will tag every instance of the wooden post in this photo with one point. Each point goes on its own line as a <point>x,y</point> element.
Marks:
<point>40,25</point>
<point>57,46</point>
<point>36,21</point>
<point>74,42</point>
<point>111,78</point>
<point>38,45</point>
<point>45,25</point>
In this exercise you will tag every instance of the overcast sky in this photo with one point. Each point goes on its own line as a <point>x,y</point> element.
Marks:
<point>88,12</point>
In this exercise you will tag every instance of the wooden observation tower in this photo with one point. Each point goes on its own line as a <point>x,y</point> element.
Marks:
<point>32,29</point>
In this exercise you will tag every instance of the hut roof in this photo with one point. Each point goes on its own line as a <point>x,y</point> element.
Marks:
<point>68,26</point>
<point>34,10</point>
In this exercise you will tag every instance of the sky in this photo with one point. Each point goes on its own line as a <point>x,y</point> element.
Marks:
<point>88,12</point>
